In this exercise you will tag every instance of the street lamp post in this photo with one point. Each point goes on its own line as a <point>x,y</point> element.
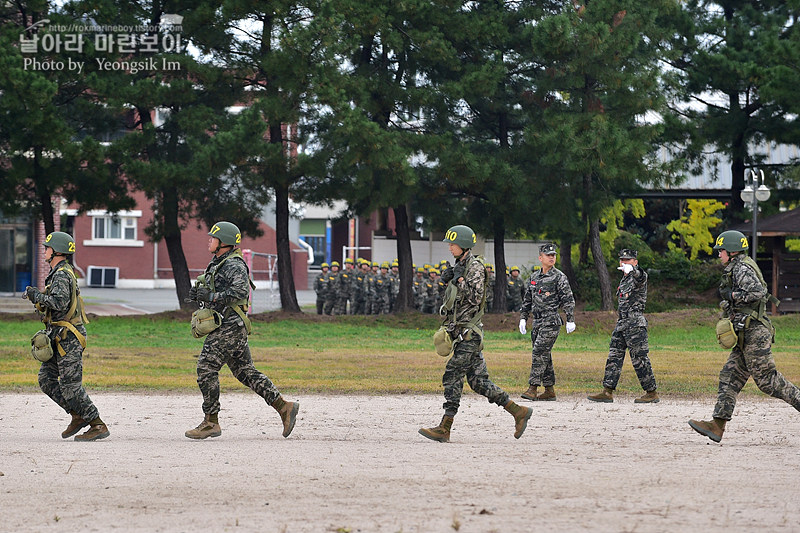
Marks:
<point>752,194</point>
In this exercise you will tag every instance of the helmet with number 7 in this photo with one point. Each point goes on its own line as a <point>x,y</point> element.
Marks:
<point>60,242</point>
<point>461,236</point>
<point>731,241</point>
<point>227,232</point>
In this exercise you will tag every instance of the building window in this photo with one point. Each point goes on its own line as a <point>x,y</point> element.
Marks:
<point>317,242</point>
<point>120,229</point>
<point>114,228</point>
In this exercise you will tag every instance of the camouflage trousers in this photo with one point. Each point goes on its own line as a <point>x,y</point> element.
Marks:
<point>543,337</point>
<point>467,361</point>
<point>228,345</point>
<point>341,306</point>
<point>634,339</point>
<point>61,378</point>
<point>320,305</point>
<point>754,360</point>
<point>330,304</point>
<point>357,305</point>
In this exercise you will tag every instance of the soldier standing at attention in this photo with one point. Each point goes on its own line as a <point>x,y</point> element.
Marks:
<point>464,307</point>
<point>332,296</point>
<point>343,287</point>
<point>547,290</point>
<point>321,287</point>
<point>227,292</point>
<point>744,300</point>
<point>383,288</point>
<point>490,286</point>
<point>61,376</point>
<point>630,332</point>
<point>515,288</point>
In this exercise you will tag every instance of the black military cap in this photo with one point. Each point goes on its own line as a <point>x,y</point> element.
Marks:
<point>548,249</point>
<point>627,253</point>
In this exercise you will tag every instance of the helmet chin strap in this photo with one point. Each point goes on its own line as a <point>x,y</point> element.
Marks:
<point>220,247</point>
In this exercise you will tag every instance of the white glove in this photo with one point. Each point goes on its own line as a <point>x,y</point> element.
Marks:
<point>570,327</point>
<point>522,326</point>
<point>626,268</point>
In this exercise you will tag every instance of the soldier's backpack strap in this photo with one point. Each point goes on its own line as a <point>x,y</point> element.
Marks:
<point>242,306</point>
<point>760,313</point>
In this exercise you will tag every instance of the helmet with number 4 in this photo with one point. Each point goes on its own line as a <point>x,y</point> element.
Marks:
<point>60,242</point>
<point>227,232</point>
<point>731,241</point>
<point>461,236</point>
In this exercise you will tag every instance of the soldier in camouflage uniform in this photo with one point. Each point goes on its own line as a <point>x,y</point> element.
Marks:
<point>630,332</point>
<point>394,284</point>
<point>431,292</point>
<point>490,286</point>
<point>547,290</point>
<point>464,305</point>
<point>372,306</point>
<point>383,288</point>
<point>744,300</point>
<point>358,288</point>
<point>332,296</point>
<point>321,286</point>
<point>344,286</point>
<point>515,289</point>
<point>227,292</point>
<point>61,377</point>
<point>419,289</point>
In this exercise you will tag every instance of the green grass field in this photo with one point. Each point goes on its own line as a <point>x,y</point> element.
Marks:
<point>385,355</point>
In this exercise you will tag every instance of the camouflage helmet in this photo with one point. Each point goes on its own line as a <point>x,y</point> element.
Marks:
<point>490,266</point>
<point>420,270</point>
<point>513,268</point>
<point>60,242</point>
<point>324,265</point>
<point>461,236</point>
<point>335,264</point>
<point>348,261</point>
<point>374,264</point>
<point>227,232</point>
<point>385,264</point>
<point>731,241</point>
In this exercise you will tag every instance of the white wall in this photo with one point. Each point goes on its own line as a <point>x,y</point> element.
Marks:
<point>520,253</point>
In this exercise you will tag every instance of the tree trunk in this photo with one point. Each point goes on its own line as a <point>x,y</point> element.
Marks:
<point>168,208</point>
<point>600,264</point>
<point>45,200</point>
<point>565,249</point>
<point>499,234</point>
<point>404,258</point>
<point>285,272</point>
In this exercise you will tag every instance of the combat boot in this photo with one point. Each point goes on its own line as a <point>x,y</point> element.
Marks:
<point>97,430</point>
<point>74,426</point>
<point>549,395</point>
<point>209,427</point>
<point>713,429</point>
<point>607,396</point>
<point>521,417</point>
<point>440,433</point>
<point>288,412</point>
<point>531,393</point>
<point>649,397</point>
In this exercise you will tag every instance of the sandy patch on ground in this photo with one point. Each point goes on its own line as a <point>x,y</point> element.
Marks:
<point>358,464</point>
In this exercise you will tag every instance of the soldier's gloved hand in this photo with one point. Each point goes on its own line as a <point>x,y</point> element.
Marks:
<point>458,271</point>
<point>204,294</point>
<point>193,293</point>
<point>447,275</point>
<point>32,293</point>
<point>626,268</point>
<point>726,293</point>
<point>522,328</point>
<point>570,327</point>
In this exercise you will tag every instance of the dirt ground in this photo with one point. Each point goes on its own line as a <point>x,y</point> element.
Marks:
<point>358,464</point>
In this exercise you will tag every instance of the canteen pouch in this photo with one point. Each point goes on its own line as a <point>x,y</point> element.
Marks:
<point>442,342</point>
<point>204,321</point>
<point>726,335</point>
<point>41,347</point>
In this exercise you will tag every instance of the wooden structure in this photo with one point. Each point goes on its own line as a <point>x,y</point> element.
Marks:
<point>781,269</point>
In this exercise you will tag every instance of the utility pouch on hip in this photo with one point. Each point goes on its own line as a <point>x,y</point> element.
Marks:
<point>726,335</point>
<point>41,346</point>
<point>442,342</point>
<point>204,321</point>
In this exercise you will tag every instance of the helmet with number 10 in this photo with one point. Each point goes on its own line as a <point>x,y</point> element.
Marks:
<point>461,236</point>
<point>731,241</point>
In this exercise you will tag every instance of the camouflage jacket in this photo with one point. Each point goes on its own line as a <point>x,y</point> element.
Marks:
<point>231,283</point>
<point>747,289</point>
<point>58,294</point>
<point>321,285</point>
<point>471,290</point>
<point>632,296</point>
<point>545,294</point>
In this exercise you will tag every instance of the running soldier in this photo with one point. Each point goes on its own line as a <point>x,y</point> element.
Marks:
<point>464,305</point>
<point>61,308</point>
<point>225,289</point>
<point>547,290</point>
<point>321,286</point>
<point>744,301</point>
<point>630,333</point>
